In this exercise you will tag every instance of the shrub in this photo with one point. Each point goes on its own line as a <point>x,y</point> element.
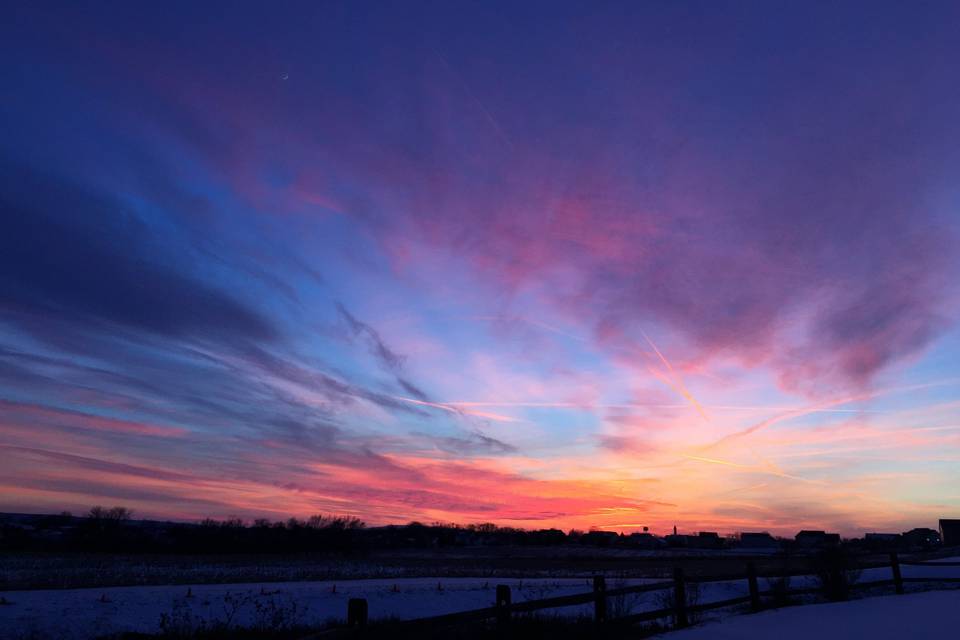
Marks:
<point>835,573</point>
<point>665,600</point>
<point>779,589</point>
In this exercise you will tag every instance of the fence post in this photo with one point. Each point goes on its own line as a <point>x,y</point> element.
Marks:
<point>503,606</point>
<point>599,599</point>
<point>897,578</point>
<point>357,612</point>
<point>680,598</point>
<point>754,589</point>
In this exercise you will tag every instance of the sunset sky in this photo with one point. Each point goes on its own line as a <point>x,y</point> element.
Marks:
<point>572,264</point>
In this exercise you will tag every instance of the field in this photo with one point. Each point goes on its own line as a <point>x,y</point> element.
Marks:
<point>178,594</point>
<point>81,570</point>
<point>919,616</point>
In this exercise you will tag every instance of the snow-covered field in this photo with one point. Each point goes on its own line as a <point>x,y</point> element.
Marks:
<point>80,614</point>
<point>915,616</point>
<point>909,571</point>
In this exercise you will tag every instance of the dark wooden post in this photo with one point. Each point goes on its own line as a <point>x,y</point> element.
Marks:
<point>357,612</point>
<point>680,598</point>
<point>897,578</point>
<point>599,599</point>
<point>503,606</point>
<point>754,589</point>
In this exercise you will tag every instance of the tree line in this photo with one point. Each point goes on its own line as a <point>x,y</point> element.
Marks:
<point>115,529</point>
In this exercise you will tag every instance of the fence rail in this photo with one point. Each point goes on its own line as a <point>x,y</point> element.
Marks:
<point>679,609</point>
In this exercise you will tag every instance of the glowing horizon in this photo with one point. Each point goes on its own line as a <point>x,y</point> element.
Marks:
<point>541,266</point>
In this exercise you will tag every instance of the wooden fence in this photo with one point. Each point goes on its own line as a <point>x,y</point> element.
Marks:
<point>679,611</point>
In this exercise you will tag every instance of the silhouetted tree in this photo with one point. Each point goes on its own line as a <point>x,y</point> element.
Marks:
<point>111,515</point>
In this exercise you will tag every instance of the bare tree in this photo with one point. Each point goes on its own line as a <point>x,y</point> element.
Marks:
<point>111,515</point>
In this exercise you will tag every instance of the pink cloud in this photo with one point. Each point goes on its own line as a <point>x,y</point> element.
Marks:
<point>29,414</point>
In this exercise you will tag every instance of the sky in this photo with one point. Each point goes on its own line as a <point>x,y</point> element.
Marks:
<point>543,264</point>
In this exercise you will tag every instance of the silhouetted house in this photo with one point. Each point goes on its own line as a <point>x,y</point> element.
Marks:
<point>921,538</point>
<point>680,540</point>
<point>882,541</point>
<point>706,540</point>
<point>645,541</point>
<point>817,539</point>
<point>600,538</point>
<point>675,540</point>
<point>758,541</point>
<point>950,532</point>
<point>546,537</point>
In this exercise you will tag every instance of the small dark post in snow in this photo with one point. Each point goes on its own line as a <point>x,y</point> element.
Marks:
<point>357,612</point>
<point>680,598</point>
<point>503,606</point>
<point>897,578</point>
<point>754,589</point>
<point>599,599</point>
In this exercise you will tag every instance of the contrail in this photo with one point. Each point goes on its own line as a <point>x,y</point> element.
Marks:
<point>725,463</point>
<point>827,404</point>
<point>749,467</point>
<point>535,323</point>
<point>453,409</point>
<point>797,413</point>
<point>493,122</point>
<point>553,329</point>
<point>636,405</point>
<point>679,387</point>
<point>751,487</point>
<point>668,382</point>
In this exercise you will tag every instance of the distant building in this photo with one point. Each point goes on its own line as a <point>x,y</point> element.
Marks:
<point>706,540</point>
<point>950,532</point>
<point>921,538</point>
<point>645,541</point>
<point>758,541</point>
<point>600,538</point>
<point>677,540</point>
<point>880,541</point>
<point>817,539</point>
<point>546,537</point>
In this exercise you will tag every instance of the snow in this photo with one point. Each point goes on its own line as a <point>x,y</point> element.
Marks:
<point>81,614</point>
<point>918,616</point>
<point>912,571</point>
